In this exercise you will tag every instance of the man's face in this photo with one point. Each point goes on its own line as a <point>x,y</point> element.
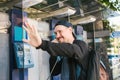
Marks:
<point>63,33</point>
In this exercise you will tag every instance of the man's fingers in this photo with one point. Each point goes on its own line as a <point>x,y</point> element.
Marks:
<point>26,24</point>
<point>25,40</point>
<point>31,28</point>
<point>35,29</point>
<point>26,29</point>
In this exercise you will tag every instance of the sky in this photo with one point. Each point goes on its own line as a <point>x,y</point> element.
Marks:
<point>114,20</point>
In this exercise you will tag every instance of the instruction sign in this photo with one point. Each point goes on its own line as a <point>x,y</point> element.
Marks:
<point>115,34</point>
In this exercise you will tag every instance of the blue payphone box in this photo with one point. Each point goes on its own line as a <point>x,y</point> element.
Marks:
<point>23,53</point>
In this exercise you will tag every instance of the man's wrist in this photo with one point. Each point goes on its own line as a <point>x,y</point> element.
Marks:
<point>38,47</point>
<point>39,44</point>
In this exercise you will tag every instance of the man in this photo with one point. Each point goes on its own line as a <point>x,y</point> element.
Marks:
<point>65,45</point>
<point>103,72</point>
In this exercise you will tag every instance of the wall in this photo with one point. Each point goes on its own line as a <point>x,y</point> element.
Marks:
<point>4,56</point>
<point>40,71</point>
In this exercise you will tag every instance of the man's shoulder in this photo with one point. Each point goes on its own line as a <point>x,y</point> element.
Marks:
<point>79,42</point>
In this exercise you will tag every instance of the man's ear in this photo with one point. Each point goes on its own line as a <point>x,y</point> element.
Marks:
<point>71,29</point>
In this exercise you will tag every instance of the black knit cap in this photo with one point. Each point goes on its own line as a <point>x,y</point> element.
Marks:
<point>66,24</point>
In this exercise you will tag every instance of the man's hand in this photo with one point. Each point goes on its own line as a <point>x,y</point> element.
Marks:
<point>34,37</point>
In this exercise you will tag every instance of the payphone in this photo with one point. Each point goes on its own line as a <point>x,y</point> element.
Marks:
<point>23,55</point>
<point>22,51</point>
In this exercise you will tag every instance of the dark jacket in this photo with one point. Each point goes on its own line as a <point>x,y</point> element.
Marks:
<point>76,52</point>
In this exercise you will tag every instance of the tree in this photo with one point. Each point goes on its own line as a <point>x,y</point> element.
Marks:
<point>112,4</point>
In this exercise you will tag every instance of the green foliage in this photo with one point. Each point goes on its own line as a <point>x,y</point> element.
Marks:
<point>107,26</point>
<point>107,39</point>
<point>112,4</point>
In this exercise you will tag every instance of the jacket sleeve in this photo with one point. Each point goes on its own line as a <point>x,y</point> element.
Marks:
<point>76,50</point>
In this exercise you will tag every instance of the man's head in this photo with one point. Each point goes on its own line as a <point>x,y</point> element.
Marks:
<point>64,32</point>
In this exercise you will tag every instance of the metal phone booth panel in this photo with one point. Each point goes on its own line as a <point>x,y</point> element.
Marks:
<point>21,58</point>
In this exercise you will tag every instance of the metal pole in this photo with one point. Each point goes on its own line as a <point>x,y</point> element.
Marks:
<point>94,45</point>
